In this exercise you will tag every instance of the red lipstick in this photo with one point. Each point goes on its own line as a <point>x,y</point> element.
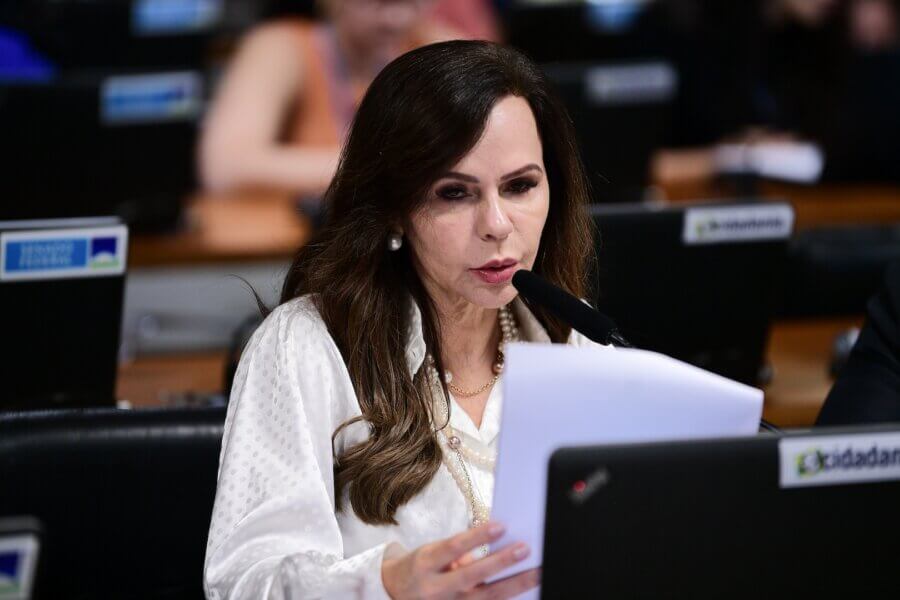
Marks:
<point>496,271</point>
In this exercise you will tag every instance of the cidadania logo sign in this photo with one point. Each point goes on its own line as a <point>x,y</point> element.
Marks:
<point>835,459</point>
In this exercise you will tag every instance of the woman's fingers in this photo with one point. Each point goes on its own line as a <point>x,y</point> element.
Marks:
<point>466,559</point>
<point>477,572</point>
<point>440,555</point>
<point>507,588</point>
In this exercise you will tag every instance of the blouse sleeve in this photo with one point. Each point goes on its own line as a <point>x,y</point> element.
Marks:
<point>274,533</point>
<point>576,338</point>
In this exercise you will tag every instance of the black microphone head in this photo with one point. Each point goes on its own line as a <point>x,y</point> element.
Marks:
<point>526,282</point>
<point>566,307</point>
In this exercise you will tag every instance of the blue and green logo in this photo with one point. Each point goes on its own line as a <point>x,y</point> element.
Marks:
<point>811,462</point>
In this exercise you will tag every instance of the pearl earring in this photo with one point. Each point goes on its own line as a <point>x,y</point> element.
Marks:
<point>395,242</point>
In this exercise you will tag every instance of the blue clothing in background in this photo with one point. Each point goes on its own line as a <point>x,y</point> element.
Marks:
<point>19,61</point>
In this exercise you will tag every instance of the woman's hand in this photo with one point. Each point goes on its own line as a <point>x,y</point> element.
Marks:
<point>445,569</point>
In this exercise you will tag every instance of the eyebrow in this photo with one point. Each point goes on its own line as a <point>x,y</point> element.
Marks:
<point>510,175</point>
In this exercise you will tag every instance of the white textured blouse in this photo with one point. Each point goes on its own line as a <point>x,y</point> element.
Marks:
<point>274,532</point>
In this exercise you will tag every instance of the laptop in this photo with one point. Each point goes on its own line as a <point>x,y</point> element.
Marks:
<point>697,282</point>
<point>61,293</point>
<point>798,516</point>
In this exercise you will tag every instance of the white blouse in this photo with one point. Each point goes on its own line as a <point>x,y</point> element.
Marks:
<point>274,532</point>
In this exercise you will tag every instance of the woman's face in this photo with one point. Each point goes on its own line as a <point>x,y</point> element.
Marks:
<point>811,13</point>
<point>482,220</point>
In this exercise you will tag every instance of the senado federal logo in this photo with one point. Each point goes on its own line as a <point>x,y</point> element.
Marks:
<point>68,252</point>
<point>839,459</point>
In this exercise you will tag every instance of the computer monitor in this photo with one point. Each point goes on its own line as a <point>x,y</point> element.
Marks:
<point>100,143</point>
<point>799,516</point>
<point>611,63</point>
<point>20,541</point>
<point>99,107</point>
<point>621,114</point>
<point>579,30</point>
<point>122,34</point>
<point>61,289</point>
<point>698,282</point>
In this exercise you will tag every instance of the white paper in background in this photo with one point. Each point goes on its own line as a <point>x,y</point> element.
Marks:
<point>798,162</point>
<point>557,395</point>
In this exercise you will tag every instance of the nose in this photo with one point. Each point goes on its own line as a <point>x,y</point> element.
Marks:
<point>494,223</point>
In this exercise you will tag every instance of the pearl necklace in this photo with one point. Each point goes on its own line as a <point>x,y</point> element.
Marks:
<point>454,452</point>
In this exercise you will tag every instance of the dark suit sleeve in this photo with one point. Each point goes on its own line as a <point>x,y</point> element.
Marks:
<point>868,387</point>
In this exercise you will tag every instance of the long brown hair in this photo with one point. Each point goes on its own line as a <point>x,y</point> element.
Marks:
<point>419,117</point>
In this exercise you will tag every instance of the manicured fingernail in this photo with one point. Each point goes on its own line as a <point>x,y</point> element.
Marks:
<point>496,529</point>
<point>520,551</point>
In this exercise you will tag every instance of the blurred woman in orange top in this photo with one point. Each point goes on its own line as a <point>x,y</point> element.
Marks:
<point>287,99</point>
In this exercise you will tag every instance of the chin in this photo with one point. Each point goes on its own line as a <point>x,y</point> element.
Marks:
<point>493,296</point>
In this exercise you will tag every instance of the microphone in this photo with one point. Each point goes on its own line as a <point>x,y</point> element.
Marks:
<point>583,318</point>
<point>592,323</point>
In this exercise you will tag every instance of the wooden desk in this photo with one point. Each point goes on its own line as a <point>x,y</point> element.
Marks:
<point>819,206</point>
<point>221,229</point>
<point>164,380</point>
<point>814,206</point>
<point>799,353</point>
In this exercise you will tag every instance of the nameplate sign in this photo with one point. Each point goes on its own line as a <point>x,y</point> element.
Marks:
<point>63,253</point>
<point>724,224</point>
<point>18,561</point>
<point>839,459</point>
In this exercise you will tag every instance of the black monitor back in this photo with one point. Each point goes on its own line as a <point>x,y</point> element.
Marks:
<point>609,61</point>
<point>123,34</point>
<point>61,334</point>
<point>64,152</point>
<point>579,31</point>
<point>710,519</point>
<point>706,302</point>
<point>67,153</point>
<point>621,113</point>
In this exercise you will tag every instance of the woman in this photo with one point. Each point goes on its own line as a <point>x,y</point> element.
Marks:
<point>286,102</point>
<point>360,437</point>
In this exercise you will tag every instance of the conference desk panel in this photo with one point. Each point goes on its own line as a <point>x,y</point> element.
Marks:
<point>799,353</point>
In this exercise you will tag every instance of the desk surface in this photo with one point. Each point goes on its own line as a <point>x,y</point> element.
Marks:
<point>839,204</point>
<point>814,206</point>
<point>219,229</point>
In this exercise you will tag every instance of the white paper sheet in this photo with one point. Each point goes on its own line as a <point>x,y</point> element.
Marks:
<point>556,395</point>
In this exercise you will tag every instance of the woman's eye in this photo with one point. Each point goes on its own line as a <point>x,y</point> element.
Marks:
<point>521,186</point>
<point>452,192</point>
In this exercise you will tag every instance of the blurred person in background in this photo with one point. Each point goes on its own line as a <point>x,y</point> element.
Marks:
<point>781,71</point>
<point>286,101</point>
<point>865,143</point>
<point>474,19</point>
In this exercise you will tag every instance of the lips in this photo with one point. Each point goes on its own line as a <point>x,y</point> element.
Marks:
<point>496,271</point>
